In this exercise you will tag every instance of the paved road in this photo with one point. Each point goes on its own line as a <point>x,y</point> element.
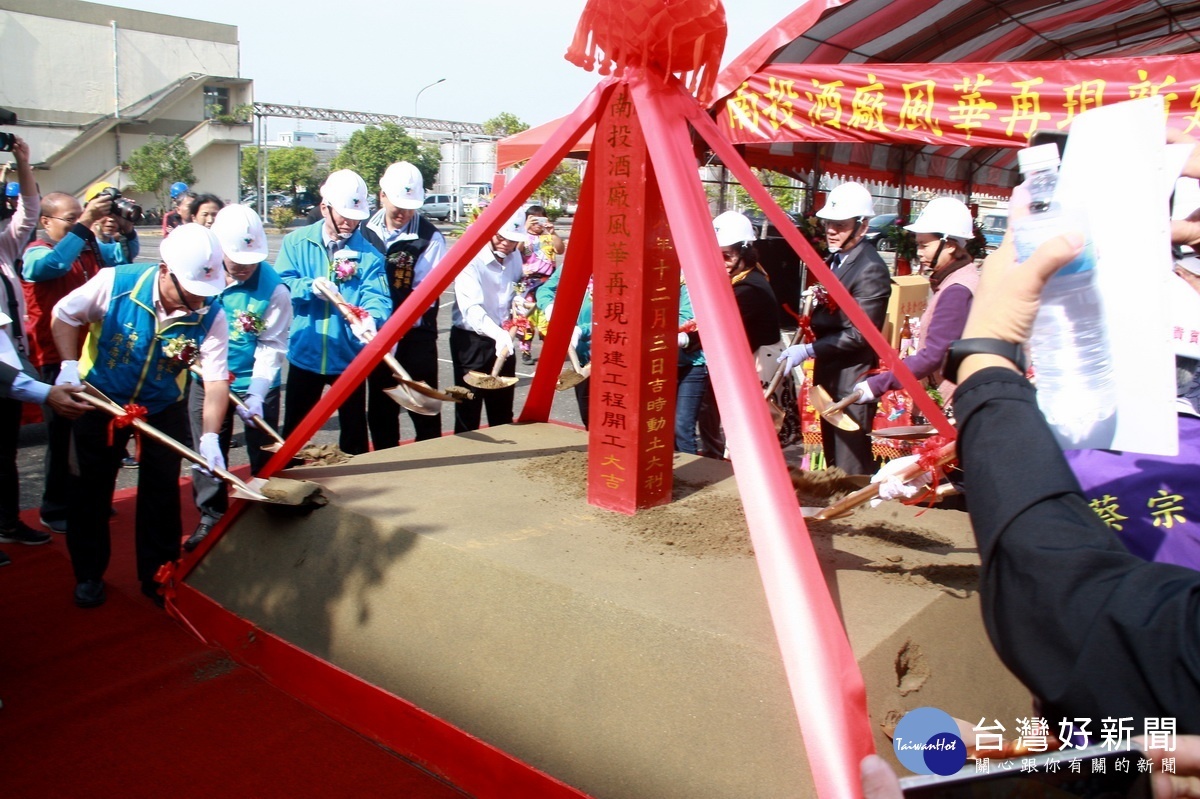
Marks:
<point>31,452</point>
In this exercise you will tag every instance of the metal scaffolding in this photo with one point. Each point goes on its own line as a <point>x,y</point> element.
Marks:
<point>365,118</point>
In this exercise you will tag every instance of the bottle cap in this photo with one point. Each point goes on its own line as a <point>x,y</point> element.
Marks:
<point>1034,159</point>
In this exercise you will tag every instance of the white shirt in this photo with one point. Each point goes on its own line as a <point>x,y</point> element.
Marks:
<point>89,303</point>
<point>483,291</point>
<point>271,350</point>
<point>24,387</point>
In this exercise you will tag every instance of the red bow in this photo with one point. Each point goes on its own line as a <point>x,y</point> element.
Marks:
<point>933,455</point>
<point>133,412</point>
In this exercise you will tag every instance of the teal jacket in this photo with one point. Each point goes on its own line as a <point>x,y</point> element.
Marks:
<point>320,340</point>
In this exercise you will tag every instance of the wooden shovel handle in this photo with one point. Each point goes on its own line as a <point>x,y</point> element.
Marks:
<point>97,398</point>
<point>259,422</point>
<point>842,404</point>
<point>352,319</point>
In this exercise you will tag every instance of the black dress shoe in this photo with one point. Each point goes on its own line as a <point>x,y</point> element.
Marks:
<point>202,531</point>
<point>90,594</point>
<point>150,589</point>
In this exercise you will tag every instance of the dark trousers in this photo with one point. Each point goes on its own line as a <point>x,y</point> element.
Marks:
<point>583,399</point>
<point>209,492</point>
<point>10,486</point>
<point>304,389</point>
<point>417,353</point>
<point>470,351</point>
<point>55,495</point>
<point>94,468</point>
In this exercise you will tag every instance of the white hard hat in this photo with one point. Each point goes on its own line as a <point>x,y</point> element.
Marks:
<point>945,216</point>
<point>345,192</point>
<point>403,185</point>
<point>514,228</point>
<point>240,231</point>
<point>733,228</point>
<point>193,254</point>
<point>848,201</point>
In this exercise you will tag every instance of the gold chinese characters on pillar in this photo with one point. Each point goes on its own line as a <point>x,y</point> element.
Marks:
<point>634,321</point>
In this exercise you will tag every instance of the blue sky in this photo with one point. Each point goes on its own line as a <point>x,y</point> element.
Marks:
<point>494,54</point>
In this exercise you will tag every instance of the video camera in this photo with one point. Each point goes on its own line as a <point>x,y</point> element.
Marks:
<point>122,206</point>
<point>7,140</point>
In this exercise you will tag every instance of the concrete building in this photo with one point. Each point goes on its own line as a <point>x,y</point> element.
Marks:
<point>91,83</point>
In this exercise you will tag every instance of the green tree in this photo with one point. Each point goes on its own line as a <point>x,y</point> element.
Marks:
<point>778,186</point>
<point>157,164</point>
<point>562,186</point>
<point>371,150</point>
<point>504,124</point>
<point>288,168</point>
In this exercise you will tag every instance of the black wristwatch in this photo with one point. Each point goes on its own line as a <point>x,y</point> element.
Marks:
<point>983,346</point>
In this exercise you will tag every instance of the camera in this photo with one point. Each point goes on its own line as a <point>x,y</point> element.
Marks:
<point>122,206</point>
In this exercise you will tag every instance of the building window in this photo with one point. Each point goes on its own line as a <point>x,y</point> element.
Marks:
<point>216,101</point>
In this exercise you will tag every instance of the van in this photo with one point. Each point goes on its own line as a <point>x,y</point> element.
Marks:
<point>438,206</point>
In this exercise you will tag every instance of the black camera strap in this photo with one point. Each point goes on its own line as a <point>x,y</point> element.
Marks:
<point>14,312</point>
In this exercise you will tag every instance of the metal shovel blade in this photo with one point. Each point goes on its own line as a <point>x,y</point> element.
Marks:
<point>412,401</point>
<point>492,381</point>
<point>568,379</point>
<point>822,402</point>
<point>281,491</point>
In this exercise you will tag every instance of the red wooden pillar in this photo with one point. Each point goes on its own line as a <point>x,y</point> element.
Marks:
<point>635,318</point>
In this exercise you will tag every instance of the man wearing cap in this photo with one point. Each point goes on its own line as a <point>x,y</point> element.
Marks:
<point>145,327</point>
<point>331,253</point>
<point>411,247</point>
<point>65,257</point>
<point>483,298</point>
<point>258,309</point>
<point>843,356</point>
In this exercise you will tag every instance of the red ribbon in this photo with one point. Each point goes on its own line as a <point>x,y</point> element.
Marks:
<point>931,457</point>
<point>359,313</point>
<point>133,412</point>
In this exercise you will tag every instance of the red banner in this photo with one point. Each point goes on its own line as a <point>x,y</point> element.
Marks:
<point>972,105</point>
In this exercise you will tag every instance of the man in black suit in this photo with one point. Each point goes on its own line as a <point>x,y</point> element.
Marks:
<point>842,355</point>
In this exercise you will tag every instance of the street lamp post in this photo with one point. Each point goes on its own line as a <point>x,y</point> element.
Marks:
<point>418,97</point>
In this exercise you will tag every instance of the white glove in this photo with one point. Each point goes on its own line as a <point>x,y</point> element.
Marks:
<point>576,334</point>
<point>892,487</point>
<point>324,287</point>
<point>68,373</point>
<point>504,346</point>
<point>364,327</point>
<point>210,450</point>
<point>254,407</point>
<point>867,395</point>
<point>795,355</point>
<point>682,340</point>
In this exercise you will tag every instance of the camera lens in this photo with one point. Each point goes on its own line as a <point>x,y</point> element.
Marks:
<point>7,140</point>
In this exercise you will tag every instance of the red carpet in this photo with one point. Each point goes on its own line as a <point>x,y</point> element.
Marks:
<point>120,701</point>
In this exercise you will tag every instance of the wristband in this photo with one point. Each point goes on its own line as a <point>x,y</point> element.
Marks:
<point>983,346</point>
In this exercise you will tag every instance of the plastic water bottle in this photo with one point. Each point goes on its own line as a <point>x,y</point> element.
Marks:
<point>1071,356</point>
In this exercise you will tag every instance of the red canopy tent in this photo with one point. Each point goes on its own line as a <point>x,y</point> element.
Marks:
<point>795,68</point>
<point>522,146</point>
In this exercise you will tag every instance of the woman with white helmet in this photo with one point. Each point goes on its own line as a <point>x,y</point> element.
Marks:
<point>842,355</point>
<point>942,231</point>
<point>757,307</point>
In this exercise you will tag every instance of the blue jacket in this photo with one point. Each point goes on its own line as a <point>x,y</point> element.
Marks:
<point>320,339</point>
<point>124,354</point>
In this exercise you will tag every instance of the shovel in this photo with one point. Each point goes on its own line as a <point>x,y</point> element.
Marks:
<point>848,503</point>
<point>405,393</point>
<point>494,380</point>
<point>276,490</point>
<point>575,375</point>
<point>831,411</point>
<point>259,422</point>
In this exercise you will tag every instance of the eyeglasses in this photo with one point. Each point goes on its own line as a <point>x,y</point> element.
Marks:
<point>70,220</point>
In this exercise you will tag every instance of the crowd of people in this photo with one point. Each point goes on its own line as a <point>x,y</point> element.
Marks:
<point>209,329</point>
